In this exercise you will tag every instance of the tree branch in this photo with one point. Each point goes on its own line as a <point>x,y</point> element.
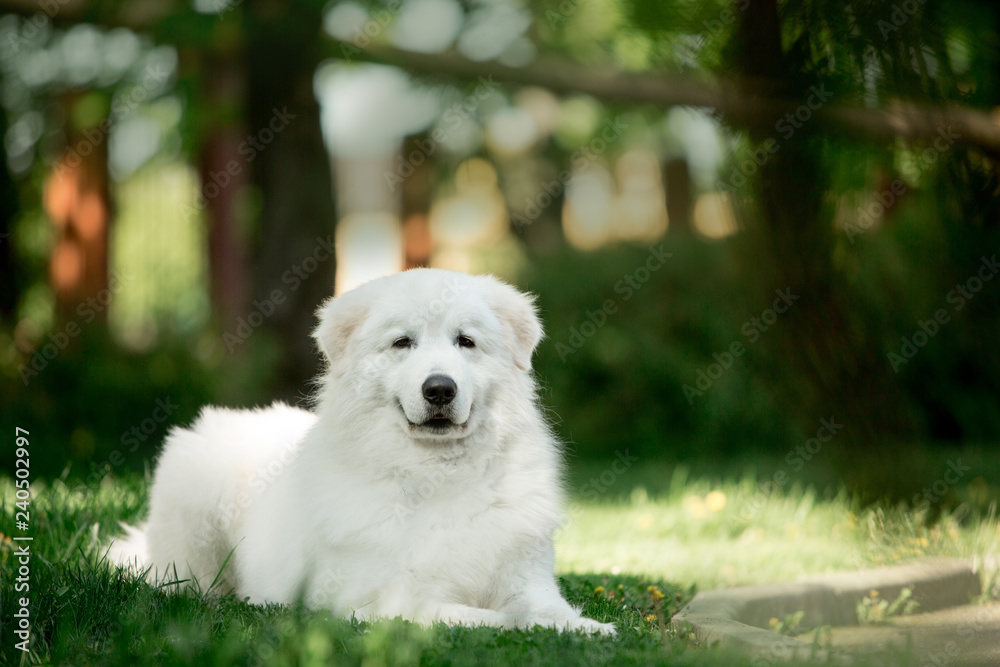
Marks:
<point>898,119</point>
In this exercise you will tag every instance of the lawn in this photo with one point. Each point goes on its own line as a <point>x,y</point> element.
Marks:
<point>712,534</point>
<point>631,556</point>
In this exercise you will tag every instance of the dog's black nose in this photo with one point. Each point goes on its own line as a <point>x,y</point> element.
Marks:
<point>439,389</point>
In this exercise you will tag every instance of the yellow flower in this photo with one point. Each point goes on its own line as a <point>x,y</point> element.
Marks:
<point>598,590</point>
<point>655,592</point>
<point>773,622</point>
<point>873,593</point>
<point>715,501</point>
<point>650,618</point>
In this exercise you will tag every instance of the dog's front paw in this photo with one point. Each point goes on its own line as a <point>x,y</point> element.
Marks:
<point>591,626</point>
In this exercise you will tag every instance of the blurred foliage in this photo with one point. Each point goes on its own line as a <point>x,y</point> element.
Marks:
<point>97,407</point>
<point>623,387</point>
<point>615,378</point>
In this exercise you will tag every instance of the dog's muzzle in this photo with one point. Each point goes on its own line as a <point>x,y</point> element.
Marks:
<point>439,392</point>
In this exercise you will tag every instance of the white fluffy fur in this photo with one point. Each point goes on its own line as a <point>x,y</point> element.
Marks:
<point>354,508</point>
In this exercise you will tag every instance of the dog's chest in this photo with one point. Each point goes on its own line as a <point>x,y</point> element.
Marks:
<point>446,501</point>
<point>460,546</point>
<point>440,519</point>
<point>452,535</point>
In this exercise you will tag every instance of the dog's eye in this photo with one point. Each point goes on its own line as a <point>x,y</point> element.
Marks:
<point>402,342</point>
<point>465,341</point>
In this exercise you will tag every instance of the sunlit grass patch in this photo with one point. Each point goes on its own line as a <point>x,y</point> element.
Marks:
<point>728,533</point>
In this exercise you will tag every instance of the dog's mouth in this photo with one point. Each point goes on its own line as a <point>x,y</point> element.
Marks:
<point>435,424</point>
<point>438,422</point>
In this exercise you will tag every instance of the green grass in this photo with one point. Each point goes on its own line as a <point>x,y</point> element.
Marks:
<point>676,536</point>
<point>733,533</point>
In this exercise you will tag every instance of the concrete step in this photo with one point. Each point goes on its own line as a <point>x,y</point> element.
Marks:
<point>945,626</point>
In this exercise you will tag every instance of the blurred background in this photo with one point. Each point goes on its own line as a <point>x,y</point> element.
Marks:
<point>745,221</point>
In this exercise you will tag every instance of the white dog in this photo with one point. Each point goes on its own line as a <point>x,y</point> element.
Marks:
<point>426,485</point>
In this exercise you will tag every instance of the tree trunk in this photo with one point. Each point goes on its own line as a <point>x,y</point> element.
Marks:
<point>789,245</point>
<point>291,170</point>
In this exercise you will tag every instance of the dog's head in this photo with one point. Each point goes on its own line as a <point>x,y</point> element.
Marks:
<point>428,348</point>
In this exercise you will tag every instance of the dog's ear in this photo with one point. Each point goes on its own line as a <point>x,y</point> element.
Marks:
<point>338,318</point>
<point>517,313</point>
